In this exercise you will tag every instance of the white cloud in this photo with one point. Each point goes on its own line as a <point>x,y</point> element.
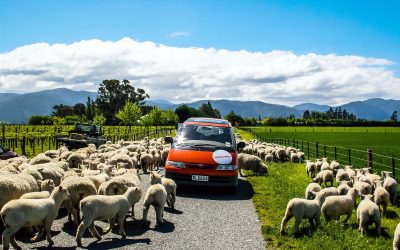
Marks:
<point>188,74</point>
<point>177,34</point>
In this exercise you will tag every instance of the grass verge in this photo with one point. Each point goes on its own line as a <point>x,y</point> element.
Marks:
<point>287,181</point>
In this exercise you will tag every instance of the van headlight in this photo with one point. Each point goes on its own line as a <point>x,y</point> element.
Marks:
<point>176,164</point>
<point>227,167</point>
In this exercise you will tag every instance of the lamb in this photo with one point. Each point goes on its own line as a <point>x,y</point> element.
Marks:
<point>46,187</point>
<point>74,160</point>
<point>119,184</point>
<point>49,171</point>
<point>342,175</point>
<point>334,165</point>
<point>303,209</point>
<point>344,187</point>
<point>294,157</point>
<point>98,179</point>
<point>251,162</point>
<point>350,171</point>
<point>170,187</point>
<point>79,188</point>
<point>311,169</point>
<point>330,191</point>
<point>325,165</point>
<point>269,157</point>
<point>40,159</point>
<point>381,196</point>
<point>362,187</point>
<point>396,238</point>
<point>26,212</point>
<point>156,195</point>
<point>124,158</point>
<point>311,189</point>
<point>12,186</point>
<point>324,176</point>
<point>101,207</point>
<point>390,185</point>
<point>146,162</point>
<point>368,213</point>
<point>318,164</point>
<point>301,156</point>
<point>335,206</point>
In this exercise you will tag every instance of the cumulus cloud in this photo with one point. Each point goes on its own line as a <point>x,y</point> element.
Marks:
<point>177,34</point>
<point>189,74</point>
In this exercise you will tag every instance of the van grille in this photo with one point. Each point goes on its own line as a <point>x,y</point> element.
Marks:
<point>200,166</point>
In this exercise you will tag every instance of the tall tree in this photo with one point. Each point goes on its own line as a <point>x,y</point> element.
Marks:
<point>79,109</point>
<point>208,110</point>
<point>393,117</point>
<point>129,114</point>
<point>113,94</point>
<point>90,109</point>
<point>234,119</point>
<point>62,110</point>
<point>307,115</point>
<point>184,112</point>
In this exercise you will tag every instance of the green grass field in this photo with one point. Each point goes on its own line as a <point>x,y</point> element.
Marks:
<point>287,181</point>
<point>382,141</point>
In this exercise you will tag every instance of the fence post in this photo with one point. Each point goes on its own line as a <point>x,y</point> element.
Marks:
<point>349,153</point>
<point>293,142</point>
<point>393,168</point>
<point>325,151</point>
<point>370,158</point>
<point>23,143</point>
<point>316,150</point>
<point>308,150</point>
<point>335,153</point>
<point>302,146</point>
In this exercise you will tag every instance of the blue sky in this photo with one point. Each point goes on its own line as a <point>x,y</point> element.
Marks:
<point>360,28</point>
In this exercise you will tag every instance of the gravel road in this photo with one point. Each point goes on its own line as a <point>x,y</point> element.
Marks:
<point>205,218</point>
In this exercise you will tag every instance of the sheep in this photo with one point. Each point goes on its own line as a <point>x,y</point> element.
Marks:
<point>119,184</point>
<point>334,165</point>
<point>381,196</point>
<point>301,156</point>
<point>330,191</point>
<point>350,171</point>
<point>324,176</point>
<point>40,159</point>
<point>74,160</point>
<point>311,169</point>
<point>46,187</point>
<point>49,171</point>
<point>318,164</point>
<point>390,185</point>
<point>156,195</point>
<point>170,187</point>
<point>335,206</point>
<point>342,175</point>
<point>294,157</point>
<point>98,179</point>
<point>13,186</point>
<point>303,209</point>
<point>368,213</point>
<point>124,158</point>
<point>251,162</point>
<point>362,187</point>
<point>311,189</point>
<point>146,162</point>
<point>269,157</point>
<point>325,165</point>
<point>344,187</point>
<point>26,212</point>
<point>396,238</point>
<point>101,207</point>
<point>79,188</point>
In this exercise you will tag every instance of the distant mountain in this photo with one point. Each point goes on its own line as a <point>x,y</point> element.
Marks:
<point>312,106</point>
<point>17,108</point>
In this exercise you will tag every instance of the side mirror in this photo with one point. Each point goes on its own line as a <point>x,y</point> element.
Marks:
<point>169,139</point>
<point>240,145</point>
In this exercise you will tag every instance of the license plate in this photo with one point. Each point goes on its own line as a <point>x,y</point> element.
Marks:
<point>199,178</point>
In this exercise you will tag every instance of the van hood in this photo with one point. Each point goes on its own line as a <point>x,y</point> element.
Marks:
<point>199,157</point>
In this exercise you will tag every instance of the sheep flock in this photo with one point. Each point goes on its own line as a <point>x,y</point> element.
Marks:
<point>90,184</point>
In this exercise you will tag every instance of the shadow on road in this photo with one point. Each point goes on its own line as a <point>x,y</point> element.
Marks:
<point>244,192</point>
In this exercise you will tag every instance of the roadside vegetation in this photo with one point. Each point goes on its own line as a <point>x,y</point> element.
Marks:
<point>286,181</point>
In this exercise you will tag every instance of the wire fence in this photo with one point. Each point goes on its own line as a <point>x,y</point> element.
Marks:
<point>355,157</point>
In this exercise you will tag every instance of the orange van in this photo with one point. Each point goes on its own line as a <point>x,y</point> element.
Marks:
<point>204,152</point>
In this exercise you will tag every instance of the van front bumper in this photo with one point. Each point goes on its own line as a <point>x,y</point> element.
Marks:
<point>216,181</point>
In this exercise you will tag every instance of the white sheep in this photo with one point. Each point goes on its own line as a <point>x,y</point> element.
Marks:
<point>335,206</point>
<point>303,209</point>
<point>311,189</point>
<point>396,238</point>
<point>31,212</point>
<point>251,162</point>
<point>79,188</point>
<point>146,162</point>
<point>311,168</point>
<point>342,175</point>
<point>294,157</point>
<point>102,207</point>
<point>46,187</point>
<point>170,187</point>
<point>324,176</point>
<point>390,185</point>
<point>368,213</point>
<point>156,196</point>
<point>344,187</point>
<point>381,196</point>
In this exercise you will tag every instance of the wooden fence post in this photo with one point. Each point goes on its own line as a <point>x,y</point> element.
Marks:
<point>335,153</point>
<point>325,151</point>
<point>393,168</point>
<point>349,153</point>
<point>316,150</point>
<point>370,158</point>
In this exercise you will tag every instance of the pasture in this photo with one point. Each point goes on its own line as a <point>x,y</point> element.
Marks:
<point>287,180</point>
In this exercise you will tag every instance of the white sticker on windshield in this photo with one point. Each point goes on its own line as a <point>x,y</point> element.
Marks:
<point>222,157</point>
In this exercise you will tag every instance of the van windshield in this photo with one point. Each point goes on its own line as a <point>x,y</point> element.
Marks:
<point>192,133</point>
